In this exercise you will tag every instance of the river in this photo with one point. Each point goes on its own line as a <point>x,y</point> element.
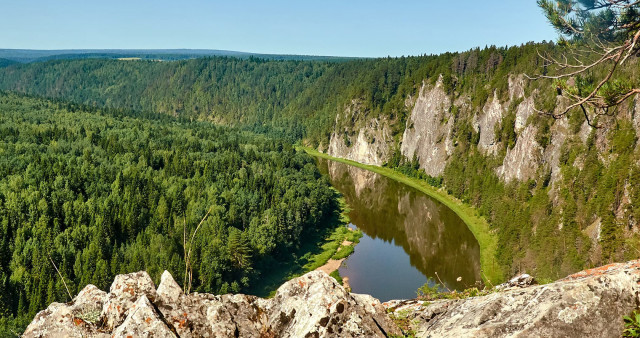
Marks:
<point>409,238</point>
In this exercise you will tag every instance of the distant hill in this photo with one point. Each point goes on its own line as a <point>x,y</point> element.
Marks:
<point>34,55</point>
<point>6,62</point>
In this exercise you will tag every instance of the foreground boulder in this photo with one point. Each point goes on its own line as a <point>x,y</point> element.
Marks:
<point>591,303</point>
<point>313,305</point>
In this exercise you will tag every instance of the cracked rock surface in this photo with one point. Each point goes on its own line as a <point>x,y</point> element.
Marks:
<point>313,305</point>
<point>590,303</point>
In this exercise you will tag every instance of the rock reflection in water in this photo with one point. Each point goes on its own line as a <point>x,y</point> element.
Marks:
<point>408,236</point>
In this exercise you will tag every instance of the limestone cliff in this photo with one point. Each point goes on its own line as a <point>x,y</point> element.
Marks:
<point>523,160</point>
<point>361,139</point>
<point>591,303</point>
<point>430,128</point>
<point>428,131</point>
<point>485,124</point>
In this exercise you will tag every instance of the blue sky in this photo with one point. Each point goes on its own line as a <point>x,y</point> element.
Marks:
<point>329,27</point>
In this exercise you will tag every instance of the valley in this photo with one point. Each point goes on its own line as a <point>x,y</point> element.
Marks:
<point>236,173</point>
<point>409,239</point>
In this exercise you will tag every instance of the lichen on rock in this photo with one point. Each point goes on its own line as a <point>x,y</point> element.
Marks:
<point>311,305</point>
<point>591,303</point>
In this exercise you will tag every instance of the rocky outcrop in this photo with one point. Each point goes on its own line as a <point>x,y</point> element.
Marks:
<point>636,118</point>
<point>365,140</point>
<point>485,125</point>
<point>313,305</point>
<point>124,293</point>
<point>523,112</point>
<point>428,131</point>
<point>71,320</point>
<point>559,134</point>
<point>516,86</point>
<point>591,303</point>
<point>523,160</point>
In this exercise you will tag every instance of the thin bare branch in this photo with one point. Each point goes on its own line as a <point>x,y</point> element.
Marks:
<point>579,68</point>
<point>59,274</point>
<point>188,275</point>
<point>631,50</point>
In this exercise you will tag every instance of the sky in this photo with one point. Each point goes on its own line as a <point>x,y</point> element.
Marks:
<point>330,27</point>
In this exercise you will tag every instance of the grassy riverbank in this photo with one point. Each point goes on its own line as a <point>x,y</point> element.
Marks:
<point>478,225</point>
<point>332,247</point>
<point>314,252</point>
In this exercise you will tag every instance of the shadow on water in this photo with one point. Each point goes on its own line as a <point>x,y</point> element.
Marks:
<point>408,236</point>
<point>280,269</point>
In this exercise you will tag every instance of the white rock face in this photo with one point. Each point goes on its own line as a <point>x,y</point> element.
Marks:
<point>428,130</point>
<point>143,321</point>
<point>516,87</point>
<point>636,116</point>
<point>69,320</point>
<point>371,144</point>
<point>587,304</point>
<point>525,109</point>
<point>124,292</point>
<point>485,124</point>
<point>559,134</point>
<point>523,160</point>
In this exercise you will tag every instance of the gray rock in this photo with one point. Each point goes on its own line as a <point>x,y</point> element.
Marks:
<point>311,305</point>
<point>169,292</point>
<point>429,128</point>
<point>143,321</point>
<point>519,281</point>
<point>523,160</point>
<point>70,320</point>
<point>370,139</point>
<point>485,124</point>
<point>516,86</point>
<point>523,112</point>
<point>588,304</point>
<point>125,290</point>
<point>314,305</point>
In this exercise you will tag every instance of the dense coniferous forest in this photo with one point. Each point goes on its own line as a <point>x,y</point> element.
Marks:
<point>540,228</point>
<point>103,192</point>
<point>5,62</point>
<point>292,99</point>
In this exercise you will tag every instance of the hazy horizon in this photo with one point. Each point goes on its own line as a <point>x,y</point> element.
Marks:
<point>354,29</point>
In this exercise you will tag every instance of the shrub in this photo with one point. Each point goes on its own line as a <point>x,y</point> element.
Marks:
<point>632,325</point>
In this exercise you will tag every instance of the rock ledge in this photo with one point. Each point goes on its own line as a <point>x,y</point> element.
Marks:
<point>313,305</point>
<point>590,303</point>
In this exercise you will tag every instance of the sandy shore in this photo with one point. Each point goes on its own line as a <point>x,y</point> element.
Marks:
<point>331,266</point>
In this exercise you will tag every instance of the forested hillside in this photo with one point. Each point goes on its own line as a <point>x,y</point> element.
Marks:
<point>559,194</point>
<point>5,62</point>
<point>296,99</point>
<point>101,193</point>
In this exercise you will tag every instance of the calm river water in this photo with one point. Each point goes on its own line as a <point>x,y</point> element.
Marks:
<point>408,236</point>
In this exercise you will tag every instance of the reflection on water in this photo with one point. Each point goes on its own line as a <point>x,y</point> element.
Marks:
<point>408,236</point>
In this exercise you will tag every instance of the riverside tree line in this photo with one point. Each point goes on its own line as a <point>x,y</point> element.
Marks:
<point>100,194</point>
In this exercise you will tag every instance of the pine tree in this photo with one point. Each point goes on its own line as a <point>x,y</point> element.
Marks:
<point>239,249</point>
<point>600,36</point>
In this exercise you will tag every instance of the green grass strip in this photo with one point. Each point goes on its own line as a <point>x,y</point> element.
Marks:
<point>491,272</point>
<point>314,253</point>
